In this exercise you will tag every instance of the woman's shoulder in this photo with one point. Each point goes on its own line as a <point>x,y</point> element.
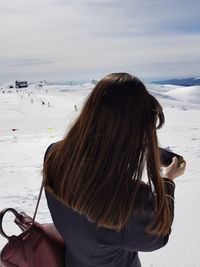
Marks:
<point>49,148</point>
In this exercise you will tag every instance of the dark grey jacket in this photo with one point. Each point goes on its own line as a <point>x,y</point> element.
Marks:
<point>89,246</point>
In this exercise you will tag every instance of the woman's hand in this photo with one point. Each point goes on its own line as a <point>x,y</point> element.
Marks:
<point>174,170</point>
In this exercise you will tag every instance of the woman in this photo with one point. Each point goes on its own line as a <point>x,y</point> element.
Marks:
<point>93,178</point>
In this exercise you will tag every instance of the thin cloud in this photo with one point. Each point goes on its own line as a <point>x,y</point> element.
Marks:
<point>84,36</point>
<point>30,62</point>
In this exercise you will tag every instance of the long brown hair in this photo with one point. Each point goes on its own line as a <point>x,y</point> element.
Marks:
<point>96,169</point>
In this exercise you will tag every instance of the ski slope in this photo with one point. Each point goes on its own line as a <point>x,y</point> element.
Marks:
<point>33,118</point>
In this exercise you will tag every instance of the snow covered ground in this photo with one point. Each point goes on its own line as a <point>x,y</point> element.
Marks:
<point>32,118</point>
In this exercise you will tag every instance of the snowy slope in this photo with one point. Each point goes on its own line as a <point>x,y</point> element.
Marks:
<point>28,127</point>
<point>187,94</point>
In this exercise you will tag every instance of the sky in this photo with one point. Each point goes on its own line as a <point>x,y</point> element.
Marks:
<point>78,40</point>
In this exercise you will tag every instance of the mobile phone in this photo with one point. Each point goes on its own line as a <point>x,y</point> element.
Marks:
<point>166,156</point>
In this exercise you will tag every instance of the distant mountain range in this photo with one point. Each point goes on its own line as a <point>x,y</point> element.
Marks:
<point>183,82</point>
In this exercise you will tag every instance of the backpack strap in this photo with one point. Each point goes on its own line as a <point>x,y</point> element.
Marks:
<point>38,201</point>
<point>42,186</point>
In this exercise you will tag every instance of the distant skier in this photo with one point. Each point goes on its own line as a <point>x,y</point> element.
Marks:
<point>75,107</point>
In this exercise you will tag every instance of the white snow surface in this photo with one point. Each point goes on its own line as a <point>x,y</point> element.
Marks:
<point>27,128</point>
<point>187,94</point>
